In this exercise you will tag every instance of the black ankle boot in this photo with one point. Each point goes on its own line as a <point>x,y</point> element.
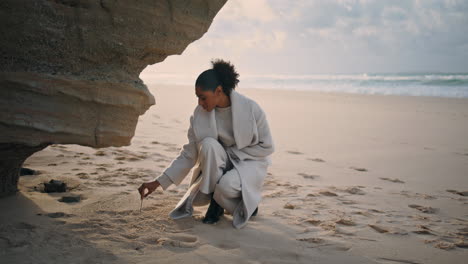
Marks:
<point>214,212</point>
<point>255,212</point>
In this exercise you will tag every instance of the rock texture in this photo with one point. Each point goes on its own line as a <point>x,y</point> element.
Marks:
<point>69,71</point>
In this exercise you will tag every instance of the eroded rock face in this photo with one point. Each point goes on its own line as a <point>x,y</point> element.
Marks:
<point>69,71</point>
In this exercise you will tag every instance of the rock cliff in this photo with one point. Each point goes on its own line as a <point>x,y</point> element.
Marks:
<point>69,71</point>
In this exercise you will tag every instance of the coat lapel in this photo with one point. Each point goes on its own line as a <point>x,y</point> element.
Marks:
<point>204,123</point>
<point>242,120</point>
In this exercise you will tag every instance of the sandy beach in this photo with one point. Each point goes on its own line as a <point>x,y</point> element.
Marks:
<point>355,179</point>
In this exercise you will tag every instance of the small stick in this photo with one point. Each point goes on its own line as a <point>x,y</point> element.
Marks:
<point>141,205</point>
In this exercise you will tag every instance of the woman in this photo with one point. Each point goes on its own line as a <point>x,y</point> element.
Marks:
<point>229,142</point>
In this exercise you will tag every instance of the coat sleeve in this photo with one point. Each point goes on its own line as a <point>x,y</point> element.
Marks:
<point>188,156</point>
<point>264,146</point>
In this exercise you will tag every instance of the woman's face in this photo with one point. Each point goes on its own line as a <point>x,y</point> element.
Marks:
<point>208,99</point>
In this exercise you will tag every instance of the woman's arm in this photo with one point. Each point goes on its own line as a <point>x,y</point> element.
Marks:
<point>181,166</point>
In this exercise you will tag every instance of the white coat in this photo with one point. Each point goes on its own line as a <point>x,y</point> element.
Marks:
<point>250,155</point>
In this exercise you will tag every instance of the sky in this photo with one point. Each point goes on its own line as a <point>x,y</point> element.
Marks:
<point>300,37</point>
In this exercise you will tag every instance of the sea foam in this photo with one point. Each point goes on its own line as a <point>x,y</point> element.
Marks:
<point>414,84</point>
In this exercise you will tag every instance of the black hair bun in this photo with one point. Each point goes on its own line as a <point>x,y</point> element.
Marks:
<point>226,74</point>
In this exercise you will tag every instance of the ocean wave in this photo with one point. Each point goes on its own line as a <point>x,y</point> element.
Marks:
<point>421,84</point>
<point>423,78</point>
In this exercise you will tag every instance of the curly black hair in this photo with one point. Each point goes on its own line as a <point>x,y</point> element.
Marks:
<point>222,73</point>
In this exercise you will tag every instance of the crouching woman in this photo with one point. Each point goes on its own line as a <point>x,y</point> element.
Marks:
<point>229,144</point>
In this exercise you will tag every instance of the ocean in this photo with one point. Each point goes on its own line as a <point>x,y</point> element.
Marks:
<point>412,84</point>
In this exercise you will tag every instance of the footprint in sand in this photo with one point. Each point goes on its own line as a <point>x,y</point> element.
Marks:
<point>58,215</point>
<point>307,176</point>
<point>289,206</point>
<point>392,260</point>
<point>354,190</point>
<point>294,152</point>
<point>327,193</point>
<point>384,229</point>
<point>395,180</point>
<point>172,149</point>
<point>274,194</point>
<point>424,209</point>
<point>270,182</point>
<point>463,232</point>
<point>363,213</point>
<point>134,236</point>
<point>462,244</point>
<point>322,243</point>
<point>346,222</point>
<point>358,169</point>
<point>423,230</point>
<point>133,176</point>
<point>105,165</point>
<point>462,193</point>
<point>316,159</point>
<point>315,240</point>
<point>100,153</point>
<point>228,245</point>
<point>417,195</point>
<point>312,221</point>
<point>348,202</point>
<point>83,175</point>
<point>379,229</point>
<point>182,241</point>
<point>447,243</point>
<point>16,237</point>
<point>444,245</point>
<point>328,226</point>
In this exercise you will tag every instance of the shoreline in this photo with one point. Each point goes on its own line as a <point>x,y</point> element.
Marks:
<point>183,86</point>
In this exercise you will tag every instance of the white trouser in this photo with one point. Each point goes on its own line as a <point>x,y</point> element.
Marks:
<point>218,175</point>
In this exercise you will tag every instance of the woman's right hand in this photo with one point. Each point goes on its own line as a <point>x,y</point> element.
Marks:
<point>150,186</point>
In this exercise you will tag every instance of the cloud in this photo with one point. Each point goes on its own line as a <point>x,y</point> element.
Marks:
<point>366,31</point>
<point>247,10</point>
<point>316,36</point>
<point>244,25</point>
